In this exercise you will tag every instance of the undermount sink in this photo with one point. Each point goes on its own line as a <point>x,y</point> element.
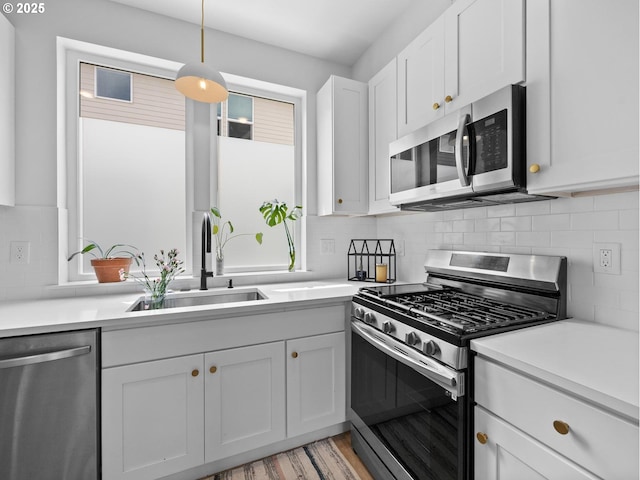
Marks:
<point>213,298</point>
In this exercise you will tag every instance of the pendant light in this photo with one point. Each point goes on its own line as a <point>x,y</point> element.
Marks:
<point>199,81</point>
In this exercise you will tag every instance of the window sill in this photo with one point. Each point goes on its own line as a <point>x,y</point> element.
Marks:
<point>184,283</point>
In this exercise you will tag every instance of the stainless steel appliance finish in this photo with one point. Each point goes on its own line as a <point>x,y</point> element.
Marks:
<point>473,157</point>
<point>410,367</point>
<point>49,407</point>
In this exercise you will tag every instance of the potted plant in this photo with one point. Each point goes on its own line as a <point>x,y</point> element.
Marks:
<point>108,263</point>
<point>274,213</point>
<point>155,289</point>
<point>223,233</point>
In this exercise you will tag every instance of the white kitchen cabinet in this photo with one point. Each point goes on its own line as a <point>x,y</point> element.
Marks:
<point>501,451</point>
<point>316,388</point>
<point>342,147</point>
<point>475,48</point>
<point>244,399</point>
<point>7,112</point>
<point>206,390</point>
<point>421,79</point>
<point>382,130</point>
<point>582,95</point>
<point>552,432</point>
<point>152,418</point>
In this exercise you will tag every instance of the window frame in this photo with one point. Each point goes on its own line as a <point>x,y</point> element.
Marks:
<point>70,53</point>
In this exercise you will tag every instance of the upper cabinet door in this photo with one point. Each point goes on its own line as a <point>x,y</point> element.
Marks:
<point>421,79</point>
<point>382,131</point>
<point>484,49</point>
<point>582,95</point>
<point>7,113</point>
<point>342,147</point>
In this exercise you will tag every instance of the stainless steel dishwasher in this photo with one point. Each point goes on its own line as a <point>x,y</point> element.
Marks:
<point>49,407</point>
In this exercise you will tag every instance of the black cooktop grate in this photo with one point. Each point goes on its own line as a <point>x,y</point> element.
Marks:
<point>462,312</point>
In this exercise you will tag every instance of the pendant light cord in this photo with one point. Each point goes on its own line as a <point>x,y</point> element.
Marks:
<point>202,35</point>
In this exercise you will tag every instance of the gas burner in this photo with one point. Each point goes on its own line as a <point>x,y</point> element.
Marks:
<point>462,312</point>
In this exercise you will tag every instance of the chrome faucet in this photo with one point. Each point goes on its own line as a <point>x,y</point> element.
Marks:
<point>205,248</point>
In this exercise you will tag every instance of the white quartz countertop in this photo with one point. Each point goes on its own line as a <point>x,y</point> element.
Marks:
<point>593,361</point>
<point>110,311</point>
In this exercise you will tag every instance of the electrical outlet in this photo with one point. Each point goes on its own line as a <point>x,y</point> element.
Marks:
<point>19,252</point>
<point>606,258</point>
<point>327,246</point>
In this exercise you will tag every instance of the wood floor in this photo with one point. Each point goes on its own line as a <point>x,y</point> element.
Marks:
<point>343,442</point>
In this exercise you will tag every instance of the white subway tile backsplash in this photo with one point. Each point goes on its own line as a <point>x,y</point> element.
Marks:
<point>501,238</point>
<point>606,220</point>
<point>501,211</point>
<point>551,223</point>
<point>533,208</point>
<point>570,205</point>
<point>487,225</point>
<point>515,224</point>
<point>463,225</point>
<point>572,239</point>
<point>533,239</point>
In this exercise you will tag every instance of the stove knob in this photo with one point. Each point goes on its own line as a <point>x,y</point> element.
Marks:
<point>431,348</point>
<point>359,313</point>
<point>412,338</point>
<point>387,327</point>
<point>369,318</point>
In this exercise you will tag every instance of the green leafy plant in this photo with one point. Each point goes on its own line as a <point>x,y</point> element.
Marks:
<point>223,232</point>
<point>114,251</point>
<point>275,213</point>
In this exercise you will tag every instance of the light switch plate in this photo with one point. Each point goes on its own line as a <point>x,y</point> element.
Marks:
<point>606,258</point>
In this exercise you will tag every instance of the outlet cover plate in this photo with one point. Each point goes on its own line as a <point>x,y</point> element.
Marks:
<point>19,252</point>
<point>614,261</point>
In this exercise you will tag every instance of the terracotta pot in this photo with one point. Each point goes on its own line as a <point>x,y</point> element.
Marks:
<point>108,269</point>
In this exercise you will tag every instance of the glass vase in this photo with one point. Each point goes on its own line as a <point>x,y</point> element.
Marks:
<point>219,265</point>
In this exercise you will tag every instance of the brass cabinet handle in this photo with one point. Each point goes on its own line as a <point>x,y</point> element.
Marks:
<point>482,437</point>
<point>340,201</point>
<point>448,99</point>
<point>195,372</point>
<point>213,369</point>
<point>534,168</point>
<point>436,106</point>
<point>294,354</point>
<point>561,427</point>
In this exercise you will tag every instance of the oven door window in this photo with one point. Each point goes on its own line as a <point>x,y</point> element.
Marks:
<point>429,163</point>
<point>413,417</point>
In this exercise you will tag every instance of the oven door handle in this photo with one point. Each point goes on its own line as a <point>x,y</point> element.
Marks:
<point>447,378</point>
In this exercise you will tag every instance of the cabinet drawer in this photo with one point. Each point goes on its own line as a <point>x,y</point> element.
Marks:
<point>121,347</point>
<point>599,441</point>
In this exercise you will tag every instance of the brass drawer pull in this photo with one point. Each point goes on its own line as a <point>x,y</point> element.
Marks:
<point>436,106</point>
<point>195,372</point>
<point>213,369</point>
<point>482,437</point>
<point>561,427</point>
<point>294,354</point>
<point>448,99</point>
<point>534,168</point>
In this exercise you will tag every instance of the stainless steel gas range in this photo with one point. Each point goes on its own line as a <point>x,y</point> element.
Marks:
<point>411,371</point>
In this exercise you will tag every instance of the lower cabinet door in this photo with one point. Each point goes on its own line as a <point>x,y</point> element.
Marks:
<point>316,390</point>
<point>503,452</point>
<point>244,399</point>
<point>152,422</point>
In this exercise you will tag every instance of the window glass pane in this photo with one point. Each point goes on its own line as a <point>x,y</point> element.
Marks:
<point>132,160</point>
<point>251,173</point>
<point>240,107</point>
<point>113,84</point>
<point>240,130</point>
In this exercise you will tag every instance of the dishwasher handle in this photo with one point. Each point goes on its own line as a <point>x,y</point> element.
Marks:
<point>44,357</point>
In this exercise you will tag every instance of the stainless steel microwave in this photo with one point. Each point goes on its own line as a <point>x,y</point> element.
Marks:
<point>472,157</point>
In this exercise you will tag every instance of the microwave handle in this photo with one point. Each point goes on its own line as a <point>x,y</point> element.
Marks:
<point>462,174</point>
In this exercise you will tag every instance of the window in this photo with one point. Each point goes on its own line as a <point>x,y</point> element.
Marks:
<point>251,172</point>
<point>133,167</point>
<point>113,84</point>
